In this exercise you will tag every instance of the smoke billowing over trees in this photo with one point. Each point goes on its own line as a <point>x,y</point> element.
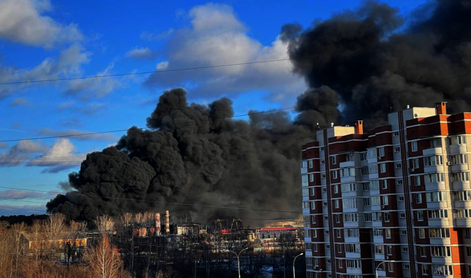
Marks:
<point>364,62</point>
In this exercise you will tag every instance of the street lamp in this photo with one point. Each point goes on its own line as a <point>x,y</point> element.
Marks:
<point>237,255</point>
<point>294,264</point>
<point>377,267</point>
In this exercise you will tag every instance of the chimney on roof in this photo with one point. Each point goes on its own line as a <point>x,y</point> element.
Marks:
<point>167,222</point>
<point>441,108</point>
<point>359,127</point>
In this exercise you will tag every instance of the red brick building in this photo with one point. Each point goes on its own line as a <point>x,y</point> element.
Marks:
<point>396,199</point>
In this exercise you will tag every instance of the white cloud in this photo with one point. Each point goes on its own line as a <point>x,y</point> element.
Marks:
<point>61,156</point>
<point>23,21</point>
<point>141,53</point>
<point>217,37</point>
<point>162,65</point>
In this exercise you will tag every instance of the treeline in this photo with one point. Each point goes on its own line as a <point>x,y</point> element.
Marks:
<point>50,248</point>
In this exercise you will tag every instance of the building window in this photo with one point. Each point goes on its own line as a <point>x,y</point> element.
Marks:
<point>415,163</point>
<point>384,184</point>
<point>312,191</point>
<point>421,233</point>
<point>314,233</point>
<point>382,167</point>
<point>418,198</point>
<point>424,270</point>
<point>387,233</point>
<point>439,232</point>
<point>389,250</point>
<point>340,263</point>
<point>310,164</point>
<point>414,146</point>
<point>313,219</point>
<point>436,143</point>
<point>422,251</point>
<point>338,233</point>
<point>403,232</point>
<point>337,218</point>
<point>385,200</point>
<point>420,215</point>
<point>336,188</point>
<point>334,160</point>
<point>315,247</point>
<point>334,174</point>
<point>406,266</point>
<point>386,217</point>
<point>311,177</point>
<point>405,249</point>
<point>381,151</point>
<point>390,267</point>
<point>416,180</point>
<point>337,203</point>
<point>402,215</point>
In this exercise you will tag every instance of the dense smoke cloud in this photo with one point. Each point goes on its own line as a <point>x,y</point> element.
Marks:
<point>196,158</point>
<point>374,62</point>
<point>194,154</point>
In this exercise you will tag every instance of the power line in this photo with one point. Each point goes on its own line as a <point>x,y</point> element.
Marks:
<point>123,130</point>
<point>141,73</point>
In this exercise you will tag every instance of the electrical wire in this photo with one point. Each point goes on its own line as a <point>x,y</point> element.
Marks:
<point>123,130</point>
<point>141,73</point>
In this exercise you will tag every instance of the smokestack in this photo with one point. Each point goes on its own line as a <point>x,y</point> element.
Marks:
<point>167,222</point>
<point>441,108</point>
<point>157,223</point>
<point>359,127</point>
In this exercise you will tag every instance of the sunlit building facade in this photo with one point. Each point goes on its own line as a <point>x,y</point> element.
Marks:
<point>394,201</point>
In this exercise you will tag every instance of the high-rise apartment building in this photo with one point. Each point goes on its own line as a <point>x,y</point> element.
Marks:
<point>396,200</point>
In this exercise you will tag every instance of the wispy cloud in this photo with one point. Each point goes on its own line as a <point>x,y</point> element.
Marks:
<point>19,102</point>
<point>20,152</point>
<point>13,194</point>
<point>148,36</point>
<point>141,53</point>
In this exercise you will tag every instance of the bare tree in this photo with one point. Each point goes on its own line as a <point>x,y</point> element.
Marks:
<point>105,261</point>
<point>104,223</point>
<point>16,231</point>
<point>126,219</point>
<point>139,218</point>
<point>54,225</point>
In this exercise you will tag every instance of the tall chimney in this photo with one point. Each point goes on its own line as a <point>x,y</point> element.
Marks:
<point>167,222</point>
<point>441,108</point>
<point>359,127</point>
<point>157,223</point>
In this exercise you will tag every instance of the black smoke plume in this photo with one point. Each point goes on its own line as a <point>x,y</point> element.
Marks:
<point>197,158</point>
<point>374,60</point>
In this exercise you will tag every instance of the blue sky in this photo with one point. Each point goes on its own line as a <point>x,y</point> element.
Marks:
<point>62,39</point>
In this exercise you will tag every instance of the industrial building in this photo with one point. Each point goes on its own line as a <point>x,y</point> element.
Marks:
<point>394,201</point>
